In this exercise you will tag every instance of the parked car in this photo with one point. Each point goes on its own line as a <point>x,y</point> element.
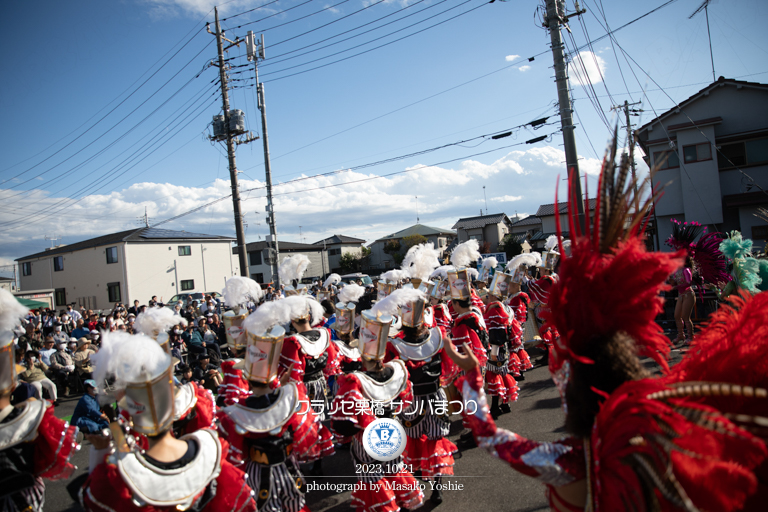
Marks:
<point>357,276</point>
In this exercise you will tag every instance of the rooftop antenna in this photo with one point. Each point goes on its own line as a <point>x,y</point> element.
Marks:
<point>417,209</point>
<point>486,202</point>
<point>53,240</point>
<point>705,6</point>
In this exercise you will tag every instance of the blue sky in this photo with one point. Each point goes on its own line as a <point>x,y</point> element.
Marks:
<point>70,64</point>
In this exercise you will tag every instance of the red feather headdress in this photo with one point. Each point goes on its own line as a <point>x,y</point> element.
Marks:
<point>610,282</point>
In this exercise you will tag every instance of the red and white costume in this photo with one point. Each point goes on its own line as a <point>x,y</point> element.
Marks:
<point>233,387</point>
<point>427,425</point>
<point>267,436</point>
<point>499,320</point>
<point>193,409</point>
<point>519,304</point>
<point>37,445</point>
<point>468,328</point>
<point>443,316</point>
<point>380,491</point>
<point>539,292</point>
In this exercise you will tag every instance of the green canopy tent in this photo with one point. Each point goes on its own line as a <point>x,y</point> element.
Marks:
<point>32,304</point>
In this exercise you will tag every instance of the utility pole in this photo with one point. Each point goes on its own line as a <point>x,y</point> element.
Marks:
<point>556,17</point>
<point>630,138</point>
<point>240,233</point>
<point>255,51</point>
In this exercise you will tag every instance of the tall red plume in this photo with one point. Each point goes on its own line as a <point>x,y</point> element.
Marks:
<point>610,282</point>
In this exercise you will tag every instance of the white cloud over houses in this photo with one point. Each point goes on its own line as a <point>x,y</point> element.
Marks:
<point>587,67</point>
<point>351,203</point>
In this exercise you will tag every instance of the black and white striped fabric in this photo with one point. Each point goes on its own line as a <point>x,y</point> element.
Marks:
<point>278,488</point>
<point>317,390</point>
<point>433,426</point>
<point>501,369</point>
<point>30,499</point>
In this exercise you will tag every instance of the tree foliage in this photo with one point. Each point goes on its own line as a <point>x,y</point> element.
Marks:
<point>415,239</point>
<point>350,262</point>
<point>392,247</point>
<point>509,246</point>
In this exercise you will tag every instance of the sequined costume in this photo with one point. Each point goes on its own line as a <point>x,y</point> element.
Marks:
<point>519,304</point>
<point>499,320</point>
<point>234,388</point>
<point>390,389</point>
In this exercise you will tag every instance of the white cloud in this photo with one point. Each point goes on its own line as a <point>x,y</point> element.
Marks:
<point>510,58</point>
<point>171,8</point>
<point>365,208</point>
<point>524,68</point>
<point>592,63</point>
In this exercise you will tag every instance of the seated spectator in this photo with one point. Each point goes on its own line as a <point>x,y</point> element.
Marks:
<point>48,350</point>
<point>81,330</point>
<point>82,358</point>
<point>88,416</point>
<point>63,367</point>
<point>35,375</point>
<point>206,374</point>
<point>186,373</point>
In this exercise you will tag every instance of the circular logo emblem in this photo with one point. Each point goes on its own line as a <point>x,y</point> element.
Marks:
<point>235,331</point>
<point>384,439</point>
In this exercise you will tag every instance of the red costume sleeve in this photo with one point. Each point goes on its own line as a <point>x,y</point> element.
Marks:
<point>476,300</point>
<point>305,431</point>
<point>554,464</point>
<point>347,405</point>
<point>333,364</point>
<point>55,445</point>
<point>234,387</point>
<point>461,334</point>
<point>205,411</point>
<point>291,354</point>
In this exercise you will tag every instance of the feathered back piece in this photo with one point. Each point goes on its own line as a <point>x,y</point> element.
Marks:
<point>392,302</point>
<point>281,312</point>
<point>421,260</point>
<point>442,272</point>
<point>605,258</point>
<point>292,268</point>
<point>333,279</point>
<point>684,235</point>
<point>394,275</point>
<point>465,254</point>
<point>11,311</point>
<point>710,264</point>
<point>530,259</point>
<point>746,269</point>
<point>157,320</point>
<point>239,290</point>
<point>351,293</point>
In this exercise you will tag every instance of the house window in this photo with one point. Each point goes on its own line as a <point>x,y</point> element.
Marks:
<point>58,263</point>
<point>479,238</point>
<point>697,153</point>
<point>188,284</point>
<point>759,232</point>
<point>259,278</point>
<point>749,152</point>
<point>26,269</point>
<point>185,250</point>
<point>113,290</point>
<point>60,297</point>
<point>111,255</point>
<point>666,160</point>
<point>254,258</point>
<point>441,242</point>
<point>334,252</point>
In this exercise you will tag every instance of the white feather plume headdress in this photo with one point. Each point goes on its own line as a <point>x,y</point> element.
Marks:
<point>421,260</point>
<point>442,272</point>
<point>125,358</point>
<point>394,275</point>
<point>551,242</point>
<point>532,259</point>
<point>351,293</point>
<point>281,312</point>
<point>392,302</point>
<point>473,273</point>
<point>157,320</point>
<point>239,290</point>
<point>292,268</point>
<point>490,262</point>
<point>332,279</point>
<point>11,311</point>
<point>465,254</point>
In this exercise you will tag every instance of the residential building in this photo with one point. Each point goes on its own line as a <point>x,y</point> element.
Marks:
<point>488,229</point>
<point>381,260</point>
<point>712,157</point>
<point>8,284</point>
<point>260,270</point>
<point>134,264</point>
<point>526,229</point>
<point>339,245</point>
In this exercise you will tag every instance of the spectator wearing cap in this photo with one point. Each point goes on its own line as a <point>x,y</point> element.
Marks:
<point>63,366</point>
<point>88,416</point>
<point>48,350</point>
<point>35,375</point>
<point>82,358</point>
<point>205,373</point>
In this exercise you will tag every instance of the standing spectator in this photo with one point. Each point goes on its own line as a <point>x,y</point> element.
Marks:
<point>82,358</point>
<point>67,323</point>
<point>63,367</point>
<point>73,314</point>
<point>217,326</point>
<point>88,416</point>
<point>47,321</point>
<point>93,322</point>
<point>134,310</point>
<point>35,375</point>
<point>47,351</point>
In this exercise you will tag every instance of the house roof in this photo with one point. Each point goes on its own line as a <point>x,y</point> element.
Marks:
<point>340,239</point>
<point>549,209</point>
<point>283,247</point>
<point>418,229</point>
<point>530,220</point>
<point>719,83</point>
<point>147,234</point>
<point>480,221</point>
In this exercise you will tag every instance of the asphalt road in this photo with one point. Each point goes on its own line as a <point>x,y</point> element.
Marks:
<point>488,483</point>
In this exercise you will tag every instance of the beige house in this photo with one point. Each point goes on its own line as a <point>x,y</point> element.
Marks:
<point>339,245</point>
<point>260,270</point>
<point>484,228</point>
<point>134,264</point>
<point>380,260</point>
